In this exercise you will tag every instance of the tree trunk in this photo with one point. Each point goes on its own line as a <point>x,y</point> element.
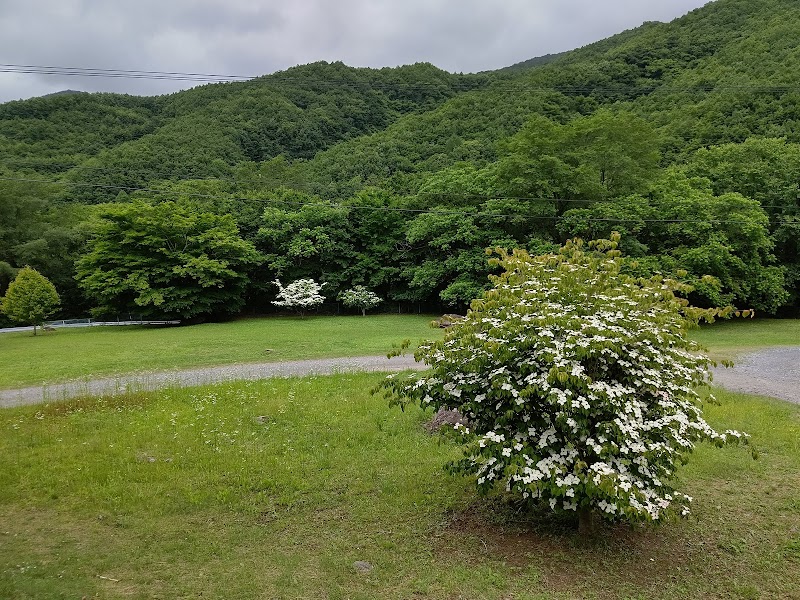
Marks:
<point>587,521</point>
<point>34,329</point>
<point>363,312</point>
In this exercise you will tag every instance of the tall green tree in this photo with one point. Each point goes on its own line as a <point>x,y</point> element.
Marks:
<point>37,229</point>
<point>591,158</point>
<point>166,260</point>
<point>682,224</point>
<point>766,170</point>
<point>304,237</point>
<point>30,299</point>
<point>446,259</point>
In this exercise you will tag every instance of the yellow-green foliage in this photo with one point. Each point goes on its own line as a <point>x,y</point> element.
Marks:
<point>30,298</point>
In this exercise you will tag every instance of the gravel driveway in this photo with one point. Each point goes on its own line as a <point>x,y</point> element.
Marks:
<point>200,376</point>
<point>771,372</point>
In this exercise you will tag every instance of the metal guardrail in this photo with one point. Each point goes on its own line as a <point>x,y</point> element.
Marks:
<point>92,323</point>
<point>64,322</point>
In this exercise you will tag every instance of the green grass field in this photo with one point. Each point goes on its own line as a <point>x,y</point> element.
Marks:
<point>68,354</point>
<point>730,338</point>
<point>274,489</point>
<point>79,354</point>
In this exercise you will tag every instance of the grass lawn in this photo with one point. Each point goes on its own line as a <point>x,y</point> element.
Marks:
<point>729,338</point>
<point>274,489</point>
<point>81,353</point>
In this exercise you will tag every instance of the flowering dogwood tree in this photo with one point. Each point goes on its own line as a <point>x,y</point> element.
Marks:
<point>578,382</point>
<point>361,298</point>
<point>299,295</point>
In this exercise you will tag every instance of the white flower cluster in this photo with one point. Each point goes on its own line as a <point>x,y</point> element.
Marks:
<point>578,382</point>
<point>303,293</point>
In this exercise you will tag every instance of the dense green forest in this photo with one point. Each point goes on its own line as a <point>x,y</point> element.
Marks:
<point>684,137</point>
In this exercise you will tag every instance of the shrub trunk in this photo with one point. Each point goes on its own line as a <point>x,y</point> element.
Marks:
<point>587,521</point>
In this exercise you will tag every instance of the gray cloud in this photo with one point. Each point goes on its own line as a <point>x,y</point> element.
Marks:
<point>248,37</point>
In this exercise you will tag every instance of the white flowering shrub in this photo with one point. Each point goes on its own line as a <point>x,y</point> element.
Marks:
<point>578,382</point>
<point>299,295</point>
<point>361,298</point>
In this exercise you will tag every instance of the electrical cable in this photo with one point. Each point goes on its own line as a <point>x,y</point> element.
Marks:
<point>305,188</point>
<point>479,81</point>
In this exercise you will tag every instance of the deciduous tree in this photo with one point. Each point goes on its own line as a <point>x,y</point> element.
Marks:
<point>361,298</point>
<point>299,295</point>
<point>165,260</point>
<point>30,298</point>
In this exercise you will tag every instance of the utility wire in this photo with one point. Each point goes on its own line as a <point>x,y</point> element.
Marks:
<point>331,204</point>
<point>302,188</point>
<point>468,82</point>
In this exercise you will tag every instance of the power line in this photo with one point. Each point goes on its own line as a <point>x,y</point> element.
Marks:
<point>121,73</point>
<point>331,204</point>
<point>467,82</point>
<point>220,78</point>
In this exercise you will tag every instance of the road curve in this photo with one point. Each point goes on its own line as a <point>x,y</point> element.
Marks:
<point>771,372</point>
<point>202,375</point>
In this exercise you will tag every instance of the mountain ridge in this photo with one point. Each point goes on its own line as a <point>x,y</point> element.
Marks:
<point>702,98</point>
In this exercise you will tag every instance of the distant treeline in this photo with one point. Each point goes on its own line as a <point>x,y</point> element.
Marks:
<point>684,137</point>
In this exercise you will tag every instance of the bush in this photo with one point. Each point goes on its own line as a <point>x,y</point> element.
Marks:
<point>578,382</point>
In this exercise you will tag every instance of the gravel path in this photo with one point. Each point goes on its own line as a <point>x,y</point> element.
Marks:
<point>200,376</point>
<point>773,372</point>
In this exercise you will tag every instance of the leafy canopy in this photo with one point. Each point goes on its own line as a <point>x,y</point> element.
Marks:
<point>165,260</point>
<point>682,224</point>
<point>578,382</point>
<point>30,298</point>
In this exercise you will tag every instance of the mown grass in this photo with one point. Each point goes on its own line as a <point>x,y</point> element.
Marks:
<point>273,489</point>
<point>83,353</point>
<point>68,354</point>
<point>730,338</point>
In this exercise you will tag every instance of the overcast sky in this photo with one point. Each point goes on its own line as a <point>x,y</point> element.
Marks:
<point>256,37</point>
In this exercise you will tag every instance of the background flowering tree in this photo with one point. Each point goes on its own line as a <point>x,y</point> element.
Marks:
<point>361,298</point>
<point>300,295</point>
<point>578,382</point>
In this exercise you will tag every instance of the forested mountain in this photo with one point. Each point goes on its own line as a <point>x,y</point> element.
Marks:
<point>54,133</point>
<point>683,136</point>
<point>532,62</point>
<point>203,132</point>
